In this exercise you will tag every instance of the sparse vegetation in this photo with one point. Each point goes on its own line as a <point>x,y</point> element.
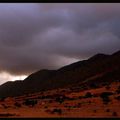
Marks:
<point>118,98</point>
<point>6,114</point>
<point>107,87</point>
<point>50,101</point>
<point>88,95</point>
<point>30,102</point>
<point>5,106</point>
<point>79,104</point>
<point>59,111</point>
<point>17,104</point>
<point>46,107</point>
<point>68,105</point>
<point>93,86</point>
<point>48,111</point>
<point>105,97</point>
<point>89,102</point>
<point>94,111</point>
<point>2,99</point>
<point>118,90</point>
<point>60,99</point>
<point>114,114</point>
<point>107,110</point>
<point>80,97</point>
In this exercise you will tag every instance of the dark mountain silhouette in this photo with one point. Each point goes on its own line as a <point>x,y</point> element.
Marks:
<point>98,70</point>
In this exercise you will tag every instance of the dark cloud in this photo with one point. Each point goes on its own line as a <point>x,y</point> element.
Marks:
<point>39,36</point>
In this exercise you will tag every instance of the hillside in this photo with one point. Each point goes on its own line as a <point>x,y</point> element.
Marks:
<point>98,70</point>
<point>62,103</point>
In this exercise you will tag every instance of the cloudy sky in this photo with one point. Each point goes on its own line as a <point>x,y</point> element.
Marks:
<point>51,35</point>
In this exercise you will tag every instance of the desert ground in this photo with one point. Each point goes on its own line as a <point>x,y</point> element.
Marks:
<point>99,102</point>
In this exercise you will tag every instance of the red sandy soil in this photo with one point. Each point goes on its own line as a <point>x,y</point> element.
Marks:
<point>79,107</point>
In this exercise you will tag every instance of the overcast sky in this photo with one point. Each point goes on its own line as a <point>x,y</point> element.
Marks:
<point>51,35</point>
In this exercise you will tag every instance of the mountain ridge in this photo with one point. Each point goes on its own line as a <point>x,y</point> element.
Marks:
<point>74,73</point>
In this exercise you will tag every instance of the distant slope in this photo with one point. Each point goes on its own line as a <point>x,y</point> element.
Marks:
<point>76,73</point>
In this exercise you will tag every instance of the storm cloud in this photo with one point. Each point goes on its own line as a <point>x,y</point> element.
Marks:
<point>48,36</point>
